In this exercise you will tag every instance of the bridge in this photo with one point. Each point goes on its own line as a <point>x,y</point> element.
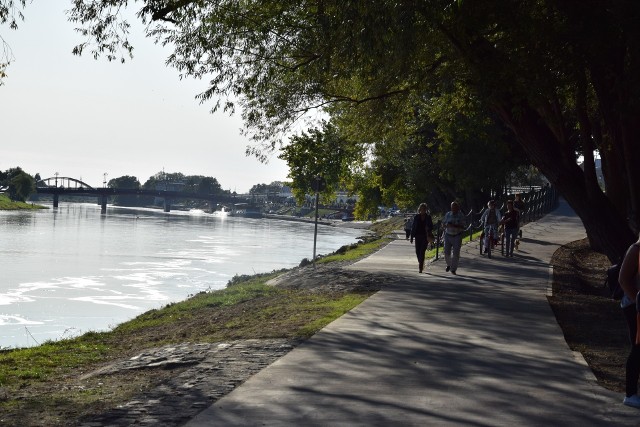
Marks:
<point>57,186</point>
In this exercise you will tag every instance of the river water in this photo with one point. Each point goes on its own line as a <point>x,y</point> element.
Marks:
<point>70,270</point>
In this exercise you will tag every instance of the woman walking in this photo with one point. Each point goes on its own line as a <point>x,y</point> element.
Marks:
<point>421,231</point>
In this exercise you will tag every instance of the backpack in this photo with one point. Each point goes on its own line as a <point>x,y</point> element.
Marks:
<point>615,290</point>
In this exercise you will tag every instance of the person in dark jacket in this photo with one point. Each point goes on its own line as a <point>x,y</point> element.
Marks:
<point>510,220</point>
<point>629,278</point>
<point>422,232</point>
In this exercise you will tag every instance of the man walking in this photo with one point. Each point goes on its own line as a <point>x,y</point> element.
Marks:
<point>454,223</point>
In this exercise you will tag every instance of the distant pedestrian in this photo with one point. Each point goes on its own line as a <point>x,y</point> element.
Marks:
<point>408,224</point>
<point>490,219</point>
<point>454,223</point>
<point>421,231</point>
<point>630,282</point>
<point>519,206</point>
<point>510,223</point>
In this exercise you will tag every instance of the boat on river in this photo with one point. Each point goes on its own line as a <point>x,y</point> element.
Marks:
<point>247,210</point>
<point>222,212</point>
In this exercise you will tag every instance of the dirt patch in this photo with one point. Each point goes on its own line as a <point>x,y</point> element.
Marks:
<point>591,321</point>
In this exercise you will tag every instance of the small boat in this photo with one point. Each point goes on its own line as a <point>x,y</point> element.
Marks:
<point>223,211</point>
<point>247,210</point>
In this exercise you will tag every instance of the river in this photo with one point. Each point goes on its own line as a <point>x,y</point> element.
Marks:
<point>70,270</point>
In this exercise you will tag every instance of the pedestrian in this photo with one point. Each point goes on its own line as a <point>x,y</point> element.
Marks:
<point>518,206</point>
<point>629,281</point>
<point>510,223</point>
<point>422,232</point>
<point>408,224</point>
<point>490,219</point>
<point>454,223</point>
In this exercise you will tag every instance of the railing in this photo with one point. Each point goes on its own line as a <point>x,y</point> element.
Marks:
<point>537,204</point>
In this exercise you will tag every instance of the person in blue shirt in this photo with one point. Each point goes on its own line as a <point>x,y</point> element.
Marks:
<point>490,219</point>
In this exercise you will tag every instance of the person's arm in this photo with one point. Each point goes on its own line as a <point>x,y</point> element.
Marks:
<point>429,224</point>
<point>629,271</point>
<point>483,218</point>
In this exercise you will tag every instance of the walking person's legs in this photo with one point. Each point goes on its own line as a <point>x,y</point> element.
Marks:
<point>448,245</point>
<point>421,248</point>
<point>456,244</point>
<point>510,240</point>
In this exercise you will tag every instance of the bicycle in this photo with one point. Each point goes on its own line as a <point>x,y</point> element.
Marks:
<point>494,240</point>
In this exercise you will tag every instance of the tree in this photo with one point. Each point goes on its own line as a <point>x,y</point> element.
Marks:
<point>125,182</point>
<point>20,185</point>
<point>318,155</point>
<point>9,13</point>
<point>564,77</point>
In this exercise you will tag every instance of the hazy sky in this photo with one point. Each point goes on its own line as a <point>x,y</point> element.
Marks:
<point>83,118</point>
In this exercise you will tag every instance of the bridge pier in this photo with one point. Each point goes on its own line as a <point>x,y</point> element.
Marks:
<point>103,204</point>
<point>55,200</point>
<point>167,205</point>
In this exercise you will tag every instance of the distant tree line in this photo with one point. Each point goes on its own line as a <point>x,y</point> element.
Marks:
<point>196,184</point>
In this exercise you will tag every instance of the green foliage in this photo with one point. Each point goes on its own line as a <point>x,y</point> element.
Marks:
<point>318,153</point>
<point>20,185</point>
<point>125,182</point>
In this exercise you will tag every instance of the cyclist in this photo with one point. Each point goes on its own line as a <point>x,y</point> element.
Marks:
<point>490,219</point>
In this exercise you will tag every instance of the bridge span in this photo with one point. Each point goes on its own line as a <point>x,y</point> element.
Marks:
<point>74,187</point>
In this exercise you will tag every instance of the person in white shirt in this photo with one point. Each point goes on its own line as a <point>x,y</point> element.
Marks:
<point>454,223</point>
<point>490,219</point>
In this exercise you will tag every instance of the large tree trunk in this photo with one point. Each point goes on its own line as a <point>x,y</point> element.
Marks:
<point>607,229</point>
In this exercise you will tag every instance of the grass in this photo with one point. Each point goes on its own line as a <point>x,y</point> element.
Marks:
<point>8,204</point>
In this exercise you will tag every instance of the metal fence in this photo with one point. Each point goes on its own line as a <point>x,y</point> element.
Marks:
<point>537,204</point>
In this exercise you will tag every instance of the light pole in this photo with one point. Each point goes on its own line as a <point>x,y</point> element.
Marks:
<point>318,185</point>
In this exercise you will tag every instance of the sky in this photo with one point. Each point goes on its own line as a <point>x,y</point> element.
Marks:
<point>84,118</point>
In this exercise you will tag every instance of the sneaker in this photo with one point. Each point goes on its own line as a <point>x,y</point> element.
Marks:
<point>453,272</point>
<point>447,269</point>
<point>632,401</point>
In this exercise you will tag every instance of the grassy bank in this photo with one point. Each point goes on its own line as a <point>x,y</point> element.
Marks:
<point>7,204</point>
<point>47,379</point>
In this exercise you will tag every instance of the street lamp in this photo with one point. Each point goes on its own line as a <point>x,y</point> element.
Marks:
<point>318,185</point>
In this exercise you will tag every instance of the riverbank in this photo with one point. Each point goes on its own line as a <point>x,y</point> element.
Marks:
<point>6,204</point>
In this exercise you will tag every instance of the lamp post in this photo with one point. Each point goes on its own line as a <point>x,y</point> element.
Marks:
<point>318,185</point>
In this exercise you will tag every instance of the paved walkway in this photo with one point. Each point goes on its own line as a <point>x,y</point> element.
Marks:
<point>478,349</point>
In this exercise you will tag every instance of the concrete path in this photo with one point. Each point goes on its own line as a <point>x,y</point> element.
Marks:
<point>478,349</point>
